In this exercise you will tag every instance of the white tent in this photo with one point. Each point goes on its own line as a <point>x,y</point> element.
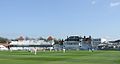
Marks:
<point>3,47</point>
<point>26,44</point>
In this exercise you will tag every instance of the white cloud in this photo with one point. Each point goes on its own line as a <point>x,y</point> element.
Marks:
<point>93,2</point>
<point>114,4</point>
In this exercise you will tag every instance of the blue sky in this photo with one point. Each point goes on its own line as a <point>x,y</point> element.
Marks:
<point>60,18</point>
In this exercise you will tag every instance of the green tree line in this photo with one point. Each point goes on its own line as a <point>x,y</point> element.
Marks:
<point>3,40</point>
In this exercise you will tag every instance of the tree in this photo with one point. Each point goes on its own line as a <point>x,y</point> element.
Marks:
<point>3,40</point>
<point>41,38</point>
<point>59,41</point>
<point>56,41</point>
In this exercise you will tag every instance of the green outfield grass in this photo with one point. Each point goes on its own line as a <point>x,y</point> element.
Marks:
<point>70,57</point>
